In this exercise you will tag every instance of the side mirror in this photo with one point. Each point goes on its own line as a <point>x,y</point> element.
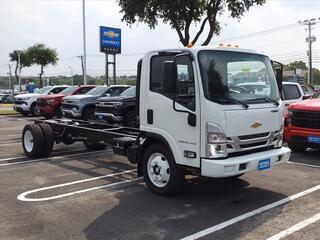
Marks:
<point>304,97</point>
<point>169,75</point>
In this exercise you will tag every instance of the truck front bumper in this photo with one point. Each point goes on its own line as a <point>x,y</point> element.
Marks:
<point>70,112</point>
<point>21,107</point>
<point>109,116</point>
<point>243,164</point>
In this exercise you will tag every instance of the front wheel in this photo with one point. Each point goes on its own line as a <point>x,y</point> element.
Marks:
<point>131,120</point>
<point>88,114</point>
<point>296,148</point>
<point>160,171</point>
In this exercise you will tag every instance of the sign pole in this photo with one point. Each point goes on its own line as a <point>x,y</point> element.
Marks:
<point>107,69</point>
<point>114,69</point>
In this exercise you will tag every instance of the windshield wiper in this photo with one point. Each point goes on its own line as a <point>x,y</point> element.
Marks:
<point>232,100</point>
<point>267,99</point>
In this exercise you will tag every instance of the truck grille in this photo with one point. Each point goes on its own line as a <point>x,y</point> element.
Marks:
<point>66,106</point>
<point>19,101</point>
<point>42,103</point>
<point>104,107</point>
<point>252,141</point>
<point>305,119</point>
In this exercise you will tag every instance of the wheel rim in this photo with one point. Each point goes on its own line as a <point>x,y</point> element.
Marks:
<point>28,140</point>
<point>158,169</point>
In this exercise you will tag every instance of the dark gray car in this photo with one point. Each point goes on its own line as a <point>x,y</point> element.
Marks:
<point>82,106</point>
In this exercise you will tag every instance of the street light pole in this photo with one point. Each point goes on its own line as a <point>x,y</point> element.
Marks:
<point>84,43</point>
<point>310,39</point>
<point>19,64</point>
<point>71,75</point>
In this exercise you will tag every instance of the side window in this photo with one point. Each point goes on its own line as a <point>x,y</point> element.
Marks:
<point>56,90</point>
<point>156,70</point>
<point>185,88</point>
<point>83,90</point>
<point>291,92</point>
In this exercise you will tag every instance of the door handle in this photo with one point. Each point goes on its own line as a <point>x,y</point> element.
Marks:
<point>287,104</point>
<point>150,116</point>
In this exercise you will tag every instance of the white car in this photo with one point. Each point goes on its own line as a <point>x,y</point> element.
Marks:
<point>26,103</point>
<point>291,92</point>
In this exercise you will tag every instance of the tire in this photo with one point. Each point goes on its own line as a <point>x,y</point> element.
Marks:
<point>33,109</point>
<point>58,112</point>
<point>48,139</point>
<point>295,148</point>
<point>94,145</point>
<point>88,114</point>
<point>160,171</point>
<point>32,140</point>
<point>131,120</point>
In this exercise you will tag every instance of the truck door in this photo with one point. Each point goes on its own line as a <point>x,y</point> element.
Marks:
<point>174,122</point>
<point>292,93</point>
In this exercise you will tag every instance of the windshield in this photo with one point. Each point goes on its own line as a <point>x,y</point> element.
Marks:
<point>229,77</point>
<point>68,90</point>
<point>130,92</point>
<point>97,91</point>
<point>307,90</point>
<point>44,90</point>
<point>317,95</point>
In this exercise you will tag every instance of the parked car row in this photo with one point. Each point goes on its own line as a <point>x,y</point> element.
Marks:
<point>114,104</point>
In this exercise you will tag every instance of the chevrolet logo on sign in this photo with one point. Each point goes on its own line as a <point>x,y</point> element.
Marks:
<point>111,34</point>
<point>256,125</point>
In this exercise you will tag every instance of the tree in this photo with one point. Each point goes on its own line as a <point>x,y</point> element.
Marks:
<point>296,65</point>
<point>43,56</point>
<point>25,61</point>
<point>181,14</point>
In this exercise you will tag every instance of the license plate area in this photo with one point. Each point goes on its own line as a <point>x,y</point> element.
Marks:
<point>314,139</point>
<point>264,164</point>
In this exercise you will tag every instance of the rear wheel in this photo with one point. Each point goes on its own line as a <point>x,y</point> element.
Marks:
<point>48,139</point>
<point>160,171</point>
<point>32,140</point>
<point>94,145</point>
<point>296,148</point>
<point>131,120</point>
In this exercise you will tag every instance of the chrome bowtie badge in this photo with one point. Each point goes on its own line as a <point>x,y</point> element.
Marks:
<point>256,125</point>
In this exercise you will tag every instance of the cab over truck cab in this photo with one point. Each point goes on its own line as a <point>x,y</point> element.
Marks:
<point>194,119</point>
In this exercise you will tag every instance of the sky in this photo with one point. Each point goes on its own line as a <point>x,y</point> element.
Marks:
<point>58,24</point>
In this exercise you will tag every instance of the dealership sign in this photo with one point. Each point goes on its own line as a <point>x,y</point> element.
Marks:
<point>110,40</point>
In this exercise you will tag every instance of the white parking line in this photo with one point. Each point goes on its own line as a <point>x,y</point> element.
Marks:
<point>47,159</point>
<point>244,216</point>
<point>22,196</point>
<point>296,227</point>
<point>303,164</point>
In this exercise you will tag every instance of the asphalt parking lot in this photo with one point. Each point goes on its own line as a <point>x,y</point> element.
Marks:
<point>77,194</point>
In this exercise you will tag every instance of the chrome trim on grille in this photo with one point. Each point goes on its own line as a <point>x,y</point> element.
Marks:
<point>235,143</point>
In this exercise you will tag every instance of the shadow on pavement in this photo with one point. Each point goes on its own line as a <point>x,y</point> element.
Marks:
<point>202,203</point>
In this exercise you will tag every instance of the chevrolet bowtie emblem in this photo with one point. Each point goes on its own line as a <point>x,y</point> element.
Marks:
<point>256,125</point>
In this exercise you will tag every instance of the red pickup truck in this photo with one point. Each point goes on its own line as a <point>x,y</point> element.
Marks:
<point>302,124</point>
<point>50,105</point>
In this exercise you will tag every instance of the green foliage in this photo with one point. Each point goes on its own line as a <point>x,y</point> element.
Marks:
<point>296,65</point>
<point>43,56</point>
<point>316,76</point>
<point>181,14</point>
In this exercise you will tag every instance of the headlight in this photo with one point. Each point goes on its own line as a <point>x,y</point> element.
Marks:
<point>76,103</point>
<point>279,141</point>
<point>26,98</point>
<point>117,104</point>
<point>290,113</point>
<point>217,145</point>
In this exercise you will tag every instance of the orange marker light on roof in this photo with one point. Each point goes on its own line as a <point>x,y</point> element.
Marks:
<point>220,44</point>
<point>190,45</point>
<point>229,45</point>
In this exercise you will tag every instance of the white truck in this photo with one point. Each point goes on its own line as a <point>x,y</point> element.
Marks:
<point>26,103</point>
<point>192,119</point>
